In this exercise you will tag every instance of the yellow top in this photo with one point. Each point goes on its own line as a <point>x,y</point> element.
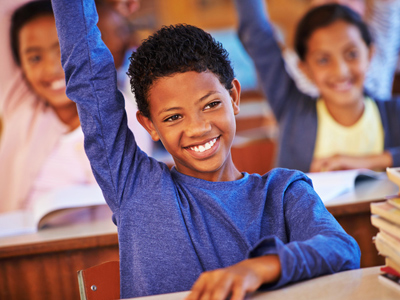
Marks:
<point>365,137</point>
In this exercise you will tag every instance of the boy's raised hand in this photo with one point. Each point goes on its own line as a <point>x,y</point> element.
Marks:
<point>237,280</point>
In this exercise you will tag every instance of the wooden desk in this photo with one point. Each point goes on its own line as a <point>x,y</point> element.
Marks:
<point>348,285</point>
<point>44,265</point>
<point>352,211</point>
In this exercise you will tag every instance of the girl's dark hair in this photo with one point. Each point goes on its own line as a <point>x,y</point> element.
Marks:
<point>22,16</point>
<point>325,15</point>
<point>176,49</point>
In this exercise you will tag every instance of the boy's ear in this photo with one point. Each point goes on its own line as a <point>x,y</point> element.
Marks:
<point>303,66</point>
<point>235,96</point>
<point>148,125</point>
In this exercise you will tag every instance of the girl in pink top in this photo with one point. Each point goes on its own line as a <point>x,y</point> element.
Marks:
<point>41,144</point>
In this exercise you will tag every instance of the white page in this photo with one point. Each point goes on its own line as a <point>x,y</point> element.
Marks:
<point>70,197</point>
<point>16,222</point>
<point>330,185</point>
<point>27,221</point>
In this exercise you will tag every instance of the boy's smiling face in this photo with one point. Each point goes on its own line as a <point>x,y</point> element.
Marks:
<point>194,117</point>
<point>337,60</point>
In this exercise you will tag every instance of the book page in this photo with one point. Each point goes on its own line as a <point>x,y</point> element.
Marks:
<point>16,222</point>
<point>330,185</point>
<point>67,198</point>
<point>62,204</point>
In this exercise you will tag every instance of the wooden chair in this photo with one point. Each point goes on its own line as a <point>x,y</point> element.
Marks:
<point>100,282</point>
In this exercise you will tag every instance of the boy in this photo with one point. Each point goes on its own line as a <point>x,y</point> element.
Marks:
<point>203,215</point>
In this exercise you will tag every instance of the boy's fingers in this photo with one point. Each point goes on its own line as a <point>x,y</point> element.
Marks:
<point>197,288</point>
<point>238,291</point>
<point>222,288</point>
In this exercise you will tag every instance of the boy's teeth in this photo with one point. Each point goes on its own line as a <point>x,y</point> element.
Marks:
<point>204,147</point>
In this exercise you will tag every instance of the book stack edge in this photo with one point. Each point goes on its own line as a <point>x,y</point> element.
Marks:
<point>386,217</point>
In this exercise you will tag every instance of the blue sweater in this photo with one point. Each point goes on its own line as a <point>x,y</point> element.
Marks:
<point>295,111</point>
<point>172,227</point>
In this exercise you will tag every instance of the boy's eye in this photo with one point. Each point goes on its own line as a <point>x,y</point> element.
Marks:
<point>172,118</point>
<point>212,104</point>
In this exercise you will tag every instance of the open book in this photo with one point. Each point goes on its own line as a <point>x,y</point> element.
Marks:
<point>72,204</point>
<point>330,185</point>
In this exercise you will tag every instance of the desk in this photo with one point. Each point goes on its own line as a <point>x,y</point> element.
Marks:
<point>352,211</point>
<point>349,285</point>
<point>44,265</point>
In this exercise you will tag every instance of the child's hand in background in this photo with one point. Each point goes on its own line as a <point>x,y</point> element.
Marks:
<point>237,280</point>
<point>347,162</point>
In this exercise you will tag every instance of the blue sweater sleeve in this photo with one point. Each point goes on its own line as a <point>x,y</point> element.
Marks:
<point>91,83</point>
<point>317,244</point>
<point>256,34</point>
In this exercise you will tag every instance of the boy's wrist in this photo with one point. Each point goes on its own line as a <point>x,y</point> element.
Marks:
<point>267,267</point>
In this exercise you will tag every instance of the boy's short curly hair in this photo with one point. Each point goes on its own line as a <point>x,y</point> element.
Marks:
<point>176,49</point>
<point>323,16</point>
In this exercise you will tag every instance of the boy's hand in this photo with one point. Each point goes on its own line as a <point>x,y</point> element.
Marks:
<point>347,162</point>
<point>237,280</point>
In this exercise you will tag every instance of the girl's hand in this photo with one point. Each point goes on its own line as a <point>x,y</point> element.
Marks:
<point>125,7</point>
<point>237,280</point>
<point>347,162</point>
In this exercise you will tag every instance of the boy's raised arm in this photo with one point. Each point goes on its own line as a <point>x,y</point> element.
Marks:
<point>91,83</point>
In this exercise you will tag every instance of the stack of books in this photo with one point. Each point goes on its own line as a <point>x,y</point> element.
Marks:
<point>386,217</point>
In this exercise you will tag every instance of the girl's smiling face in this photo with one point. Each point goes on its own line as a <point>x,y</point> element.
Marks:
<point>194,116</point>
<point>337,60</point>
<point>40,61</point>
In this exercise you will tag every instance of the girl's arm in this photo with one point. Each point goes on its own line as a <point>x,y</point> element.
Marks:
<point>377,162</point>
<point>256,34</point>
<point>384,23</point>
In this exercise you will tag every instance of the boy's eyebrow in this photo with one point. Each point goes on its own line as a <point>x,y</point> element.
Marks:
<point>208,95</point>
<point>201,99</point>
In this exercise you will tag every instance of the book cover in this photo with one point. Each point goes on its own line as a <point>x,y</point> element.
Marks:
<point>386,211</point>
<point>392,264</point>
<point>386,225</point>
<point>389,270</point>
<point>56,208</point>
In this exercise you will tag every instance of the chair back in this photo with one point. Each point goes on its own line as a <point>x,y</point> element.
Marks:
<point>100,282</point>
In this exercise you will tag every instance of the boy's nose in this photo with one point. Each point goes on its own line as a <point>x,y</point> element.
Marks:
<point>198,126</point>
